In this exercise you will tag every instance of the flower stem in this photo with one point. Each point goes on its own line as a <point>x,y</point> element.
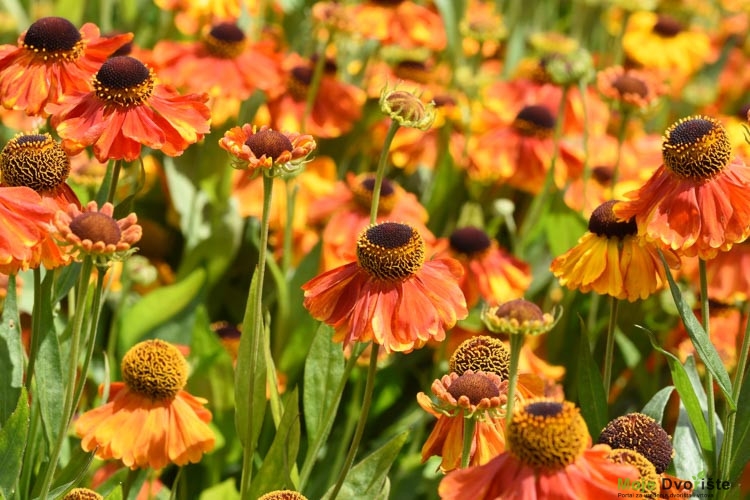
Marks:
<point>254,309</point>
<point>312,90</point>
<point>75,340</point>
<point>469,425</point>
<point>609,350</point>
<point>115,177</point>
<point>35,325</point>
<point>364,412</point>
<point>380,173</point>
<point>516,343</point>
<point>709,378</point>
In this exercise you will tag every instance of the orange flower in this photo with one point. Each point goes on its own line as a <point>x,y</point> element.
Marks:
<point>404,23</point>
<point>630,89</point>
<point>468,395</point>
<point>52,59</point>
<point>697,202</point>
<point>149,421</point>
<point>190,15</point>
<point>348,213</point>
<point>24,225</point>
<point>336,108</point>
<point>728,275</point>
<point>95,232</point>
<point>548,455</point>
<point>611,259</point>
<point>223,64</point>
<point>129,109</point>
<point>490,272</point>
<point>390,295</point>
<point>255,149</point>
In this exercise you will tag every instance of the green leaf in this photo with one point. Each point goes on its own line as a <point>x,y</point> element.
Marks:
<point>115,494</point>
<point>368,480</point>
<point>562,226</point>
<point>655,406</point>
<point>279,463</point>
<point>688,396</point>
<point>452,12</point>
<point>159,306</point>
<point>688,459</point>
<point>11,354</point>
<point>72,473</point>
<point>701,342</point>
<point>226,490</point>
<point>48,369</point>
<point>593,399</point>
<point>250,374</point>
<point>13,437</point>
<point>741,439</point>
<point>323,371</point>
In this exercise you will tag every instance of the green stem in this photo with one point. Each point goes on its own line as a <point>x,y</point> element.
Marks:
<point>254,329</point>
<point>312,453</point>
<point>36,323</point>
<point>709,378</point>
<point>537,205</point>
<point>364,412</point>
<point>75,341</point>
<point>380,173</point>
<point>115,177</point>
<point>621,131</point>
<point>516,343</point>
<point>312,89</point>
<point>470,425</point>
<point>610,347</point>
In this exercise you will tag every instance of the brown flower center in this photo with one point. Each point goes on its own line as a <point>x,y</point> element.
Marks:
<point>521,310</point>
<point>475,386</point>
<point>269,143</point>
<point>416,71</point>
<point>96,227</point>
<point>602,174</point>
<point>696,147</point>
<point>155,369</point>
<point>35,161</point>
<point>225,40</point>
<point>300,78</point>
<point>603,222</point>
<point>469,240</point>
<point>390,251</point>
<point>124,81</point>
<point>667,26</point>
<point>481,353</point>
<point>547,435</point>
<point>54,38</point>
<point>535,121</point>
<point>639,432</point>
<point>628,84</point>
<point>362,191</point>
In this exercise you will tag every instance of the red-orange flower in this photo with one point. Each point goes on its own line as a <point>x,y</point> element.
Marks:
<point>256,149</point>
<point>404,23</point>
<point>149,421</point>
<point>24,225</point>
<point>698,201</point>
<point>390,295</point>
<point>128,109</point>
<point>549,455</point>
<point>348,212</point>
<point>52,59</point>
<point>223,64</point>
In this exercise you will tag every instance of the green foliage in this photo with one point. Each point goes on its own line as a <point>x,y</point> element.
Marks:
<point>13,435</point>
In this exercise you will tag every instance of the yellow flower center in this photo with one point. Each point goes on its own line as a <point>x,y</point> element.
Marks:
<point>124,81</point>
<point>299,82</point>
<point>362,191</point>
<point>547,435</point>
<point>270,143</point>
<point>627,84</point>
<point>469,241</point>
<point>603,222</point>
<point>35,161</point>
<point>390,251</point>
<point>696,147</point>
<point>155,369</point>
<point>283,495</point>
<point>667,26</point>
<point>82,494</point>
<point>481,353</point>
<point>639,432</point>
<point>647,474</point>
<point>96,227</point>
<point>225,40</point>
<point>55,39</point>
<point>535,121</point>
<point>475,386</point>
